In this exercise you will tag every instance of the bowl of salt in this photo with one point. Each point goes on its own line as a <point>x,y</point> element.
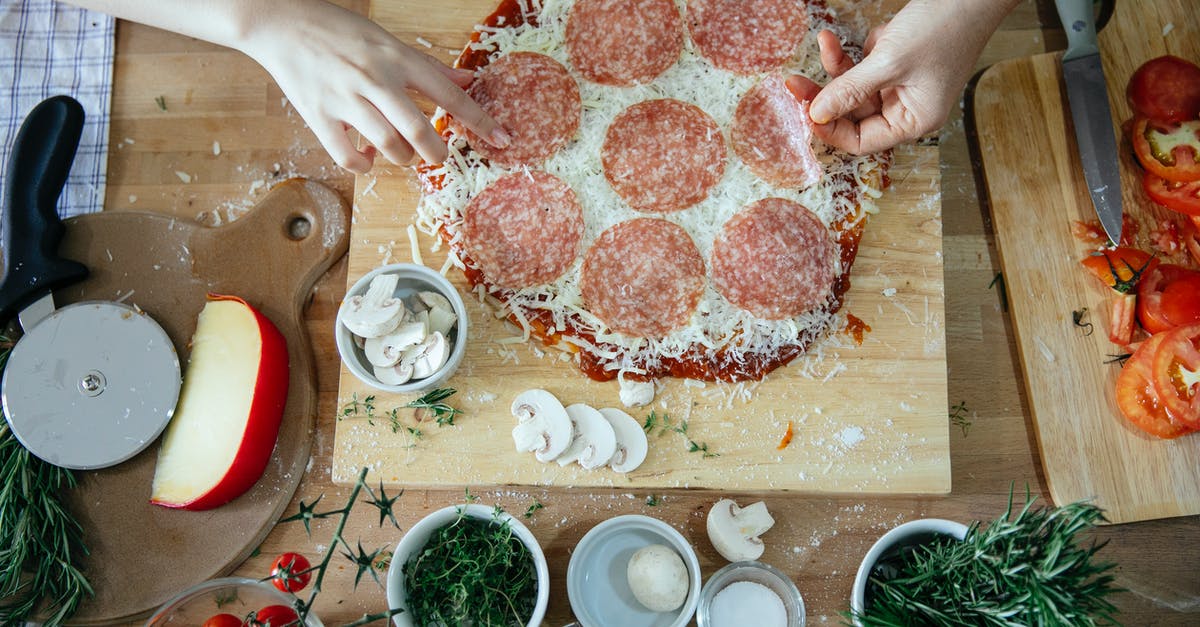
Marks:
<point>750,593</point>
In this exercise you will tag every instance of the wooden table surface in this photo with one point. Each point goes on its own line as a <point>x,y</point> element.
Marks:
<point>216,95</point>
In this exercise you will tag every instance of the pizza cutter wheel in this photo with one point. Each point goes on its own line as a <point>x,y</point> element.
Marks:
<point>93,383</point>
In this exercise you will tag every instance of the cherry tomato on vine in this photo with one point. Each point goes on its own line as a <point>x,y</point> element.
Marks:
<point>276,616</point>
<point>223,620</point>
<point>289,572</point>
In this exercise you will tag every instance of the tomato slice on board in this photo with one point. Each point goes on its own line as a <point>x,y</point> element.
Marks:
<point>1120,319</point>
<point>1181,197</point>
<point>1137,398</point>
<point>1176,370</point>
<point>1119,268</point>
<point>1169,150</point>
<point>1166,88</point>
<point>1161,310</point>
<point>1191,237</point>
<point>1092,233</point>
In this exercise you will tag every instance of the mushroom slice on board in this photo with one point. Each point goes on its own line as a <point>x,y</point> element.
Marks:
<point>387,350</point>
<point>734,530</point>
<point>428,356</point>
<point>375,313</point>
<point>631,440</point>
<point>543,426</point>
<point>594,442</point>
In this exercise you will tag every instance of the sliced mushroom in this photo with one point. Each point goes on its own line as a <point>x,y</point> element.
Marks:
<point>635,393</point>
<point>433,300</point>
<point>375,313</point>
<point>594,442</point>
<point>442,320</point>
<point>426,357</point>
<point>631,440</point>
<point>734,530</point>
<point>388,349</point>
<point>398,374</point>
<point>543,426</point>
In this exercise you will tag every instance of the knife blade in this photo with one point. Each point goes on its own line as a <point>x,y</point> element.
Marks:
<point>1087,94</point>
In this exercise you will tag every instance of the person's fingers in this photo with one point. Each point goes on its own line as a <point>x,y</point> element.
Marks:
<point>833,57</point>
<point>873,134</point>
<point>403,115</point>
<point>857,87</point>
<point>379,128</point>
<point>332,135</point>
<point>445,92</point>
<point>802,87</point>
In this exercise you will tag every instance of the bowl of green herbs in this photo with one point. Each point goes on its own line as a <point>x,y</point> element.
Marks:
<point>468,564</point>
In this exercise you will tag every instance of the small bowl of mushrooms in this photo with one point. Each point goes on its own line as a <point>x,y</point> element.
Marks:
<point>402,328</point>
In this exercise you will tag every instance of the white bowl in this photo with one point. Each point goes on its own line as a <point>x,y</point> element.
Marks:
<point>418,536</point>
<point>756,572</point>
<point>413,278</point>
<point>910,533</point>
<point>597,579</point>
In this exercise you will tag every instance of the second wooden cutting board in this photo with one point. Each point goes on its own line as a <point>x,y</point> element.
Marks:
<point>869,419</point>
<point>1037,189</point>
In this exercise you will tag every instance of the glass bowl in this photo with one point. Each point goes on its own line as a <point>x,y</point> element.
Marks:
<point>754,572</point>
<point>229,595</point>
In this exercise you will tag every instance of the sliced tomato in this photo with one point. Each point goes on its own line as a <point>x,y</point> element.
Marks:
<point>1092,232</point>
<point>1181,197</point>
<point>1119,268</point>
<point>223,620</point>
<point>1191,237</point>
<point>1169,150</point>
<point>1137,397</point>
<point>1168,297</point>
<point>1166,89</point>
<point>1120,318</point>
<point>1177,374</point>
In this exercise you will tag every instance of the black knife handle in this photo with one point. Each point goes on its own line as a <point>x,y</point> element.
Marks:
<point>37,170</point>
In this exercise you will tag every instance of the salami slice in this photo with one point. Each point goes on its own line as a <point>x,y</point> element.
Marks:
<point>534,98</point>
<point>772,134</point>
<point>774,259</point>
<point>747,37</point>
<point>663,155</point>
<point>643,277</point>
<point>624,42</point>
<point>523,229</point>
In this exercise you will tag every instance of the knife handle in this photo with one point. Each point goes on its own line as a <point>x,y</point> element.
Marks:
<point>37,170</point>
<point>1079,21</point>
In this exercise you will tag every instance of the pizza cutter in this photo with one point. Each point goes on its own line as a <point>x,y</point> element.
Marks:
<point>93,383</point>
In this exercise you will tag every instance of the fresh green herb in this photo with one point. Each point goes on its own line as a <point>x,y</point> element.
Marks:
<point>959,417</point>
<point>39,539</point>
<point>161,101</point>
<point>394,419</point>
<point>471,572</point>
<point>1077,318</point>
<point>652,501</point>
<point>225,598</point>
<point>443,414</point>
<point>1022,570</point>
<point>662,423</point>
<point>1118,359</point>
<point>363,561</point>
<point>355,408</point>
<point>998,283</point>
<point>414,432</point>
<point>468,497</point>
<point>1125,286</point>
<point>384,561</point>
<point>533,508</point>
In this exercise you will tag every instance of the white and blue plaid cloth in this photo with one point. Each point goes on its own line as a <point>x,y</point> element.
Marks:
<point>47,49</point>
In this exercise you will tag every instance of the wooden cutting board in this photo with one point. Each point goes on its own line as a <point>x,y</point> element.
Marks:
<point>867,419</point>
<point>1036,186</point>
<point>141,555</point>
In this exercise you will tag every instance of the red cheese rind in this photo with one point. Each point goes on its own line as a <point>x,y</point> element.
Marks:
<point>624,42</point>
<point>523,229</point>
<point>531,96</point>
<point>772,135</point>
<point>747,37</point>
<point>774,259</point>
<point>663,155</point>
<point>643,277</point>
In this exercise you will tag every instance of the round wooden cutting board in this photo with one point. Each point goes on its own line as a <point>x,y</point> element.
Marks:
<point>141,555</point>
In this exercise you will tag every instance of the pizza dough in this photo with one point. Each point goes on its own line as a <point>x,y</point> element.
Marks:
<point>773,136</point>
<point>747,36</point>
<point>774,259</point>
<point>535,99</point>
<point>643,277</point>
<point>523,229</point>
<point>663,155</point>
<point>624,42</point>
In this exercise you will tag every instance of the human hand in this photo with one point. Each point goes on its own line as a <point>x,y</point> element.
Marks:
<point>341,71</point>
<point>914,71</point>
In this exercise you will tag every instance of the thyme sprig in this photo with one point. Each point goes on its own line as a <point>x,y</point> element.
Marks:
<point>432,402</point>
<point>662,424</point>
<point>959,417</point>
<point>40,541</point>
<point>1028,569</point>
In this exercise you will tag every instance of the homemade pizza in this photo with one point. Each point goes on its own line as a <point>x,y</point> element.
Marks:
<point>663,208</point>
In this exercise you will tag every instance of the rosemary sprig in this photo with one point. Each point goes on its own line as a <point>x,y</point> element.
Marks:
<point>39,539</point>
<point>432,402</point>
<point>1027,569</point>
<point>959,417</point>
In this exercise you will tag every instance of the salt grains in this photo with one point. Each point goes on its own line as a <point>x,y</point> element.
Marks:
<point>748,603</point>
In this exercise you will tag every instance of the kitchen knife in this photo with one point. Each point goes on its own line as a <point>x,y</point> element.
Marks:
<point>93,383</point>
<point>1087,94</point>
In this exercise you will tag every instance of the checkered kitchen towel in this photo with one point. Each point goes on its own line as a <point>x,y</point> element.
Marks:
<point>47,49</point>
